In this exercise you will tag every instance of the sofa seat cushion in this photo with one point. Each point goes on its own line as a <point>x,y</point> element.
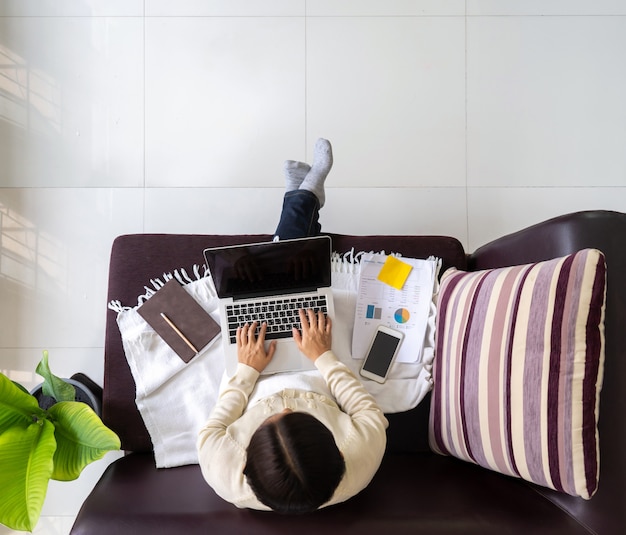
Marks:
<point>411,493</point>
<point>138,258</point>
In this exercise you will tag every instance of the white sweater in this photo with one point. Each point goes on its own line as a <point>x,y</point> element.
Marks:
<point>355,420</point>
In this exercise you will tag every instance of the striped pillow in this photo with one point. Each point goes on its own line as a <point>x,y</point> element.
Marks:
<point>518,370</point>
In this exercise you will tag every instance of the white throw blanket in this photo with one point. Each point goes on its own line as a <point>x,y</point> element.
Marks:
<point>175,398</point>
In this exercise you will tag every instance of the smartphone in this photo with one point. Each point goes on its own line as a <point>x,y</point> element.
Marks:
<point>381,353</point>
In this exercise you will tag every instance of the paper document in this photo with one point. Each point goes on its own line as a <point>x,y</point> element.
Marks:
<point>405,309</point>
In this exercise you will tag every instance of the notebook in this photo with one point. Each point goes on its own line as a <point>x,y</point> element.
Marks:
<point>271,281</point>
<point>180,320</point>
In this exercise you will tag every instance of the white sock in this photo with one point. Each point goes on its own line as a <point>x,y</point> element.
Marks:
<point>322,163</point>
<point>294,174</point>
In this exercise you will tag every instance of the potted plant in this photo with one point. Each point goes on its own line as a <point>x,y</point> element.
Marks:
<point>38,444</point>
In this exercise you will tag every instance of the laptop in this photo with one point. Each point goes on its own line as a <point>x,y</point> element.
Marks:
<point>271,281</point>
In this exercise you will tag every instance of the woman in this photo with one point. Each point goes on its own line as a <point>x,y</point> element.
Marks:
<point>293,443</point>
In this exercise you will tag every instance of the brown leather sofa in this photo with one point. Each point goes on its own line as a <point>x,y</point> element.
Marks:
<point>415,490</point>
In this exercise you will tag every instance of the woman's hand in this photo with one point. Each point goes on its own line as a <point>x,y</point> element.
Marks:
<point>251,349</point>
<point>316,336</point>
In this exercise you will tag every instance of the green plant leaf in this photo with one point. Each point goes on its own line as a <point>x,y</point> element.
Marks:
<point>16,406</point>
<point>23,389</point>
<point>81,438</point>
<point>26,457</point>
<point>54,386</point>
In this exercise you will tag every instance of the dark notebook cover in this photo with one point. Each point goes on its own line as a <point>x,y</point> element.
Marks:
<point>187,320</point>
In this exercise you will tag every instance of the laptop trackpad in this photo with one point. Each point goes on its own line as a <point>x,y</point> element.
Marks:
<point>287,358</point>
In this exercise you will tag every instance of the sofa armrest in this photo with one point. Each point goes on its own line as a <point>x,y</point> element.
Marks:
<point>555,237</point>
<point>606,231</point>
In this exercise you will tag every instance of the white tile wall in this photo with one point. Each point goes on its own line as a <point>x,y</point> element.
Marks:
<point>71,101</point>
<point>393,105</point>
<point>545,7</point>
<point>545,101</point>
<point>225,99</point>
<point>466,118</point>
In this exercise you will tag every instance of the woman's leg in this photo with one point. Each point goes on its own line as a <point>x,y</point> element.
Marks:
<point>299,217</point>
<point>305,194</point>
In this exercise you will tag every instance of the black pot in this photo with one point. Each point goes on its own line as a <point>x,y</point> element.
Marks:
<point>86,392</point>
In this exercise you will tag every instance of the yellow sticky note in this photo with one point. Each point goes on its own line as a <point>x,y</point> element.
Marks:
<point>394,272</point>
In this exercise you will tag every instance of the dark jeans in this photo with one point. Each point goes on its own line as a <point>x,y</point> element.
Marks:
<point>300,215</point>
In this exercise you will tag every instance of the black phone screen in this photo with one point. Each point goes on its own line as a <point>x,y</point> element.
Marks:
<point>381,353</point>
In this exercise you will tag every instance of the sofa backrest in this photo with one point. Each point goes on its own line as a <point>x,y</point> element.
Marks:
<point>138,258</point>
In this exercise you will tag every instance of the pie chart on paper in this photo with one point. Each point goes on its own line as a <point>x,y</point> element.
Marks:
<point>402,315</point>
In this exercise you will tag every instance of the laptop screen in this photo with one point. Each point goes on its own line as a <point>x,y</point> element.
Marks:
<point>270,268</point>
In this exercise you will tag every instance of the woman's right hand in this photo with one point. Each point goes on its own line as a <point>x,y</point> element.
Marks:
<point>316,336</point>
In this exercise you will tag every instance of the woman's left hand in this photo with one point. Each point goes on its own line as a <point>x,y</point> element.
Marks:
<point>251,349</point>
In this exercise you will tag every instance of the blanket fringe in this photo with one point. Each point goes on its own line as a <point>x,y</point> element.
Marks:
<point>117,306</point>
<point>350,261</point>
<point>181,275</point>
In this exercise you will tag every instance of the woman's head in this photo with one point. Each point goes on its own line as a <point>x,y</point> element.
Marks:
<point>293,464</point>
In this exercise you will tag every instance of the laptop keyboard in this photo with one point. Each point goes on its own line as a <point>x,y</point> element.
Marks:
<point>280,314</point>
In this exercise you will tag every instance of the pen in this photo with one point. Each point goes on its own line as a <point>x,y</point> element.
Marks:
<point>177,330</point>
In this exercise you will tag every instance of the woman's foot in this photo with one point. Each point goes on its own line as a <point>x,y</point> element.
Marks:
<point>322,164</point>
<point>294,174</point>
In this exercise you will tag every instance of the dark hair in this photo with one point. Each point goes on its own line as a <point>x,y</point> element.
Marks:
<point>293,464</point>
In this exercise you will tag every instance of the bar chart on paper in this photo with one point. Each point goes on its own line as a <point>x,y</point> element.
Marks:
<point>373,312</point>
